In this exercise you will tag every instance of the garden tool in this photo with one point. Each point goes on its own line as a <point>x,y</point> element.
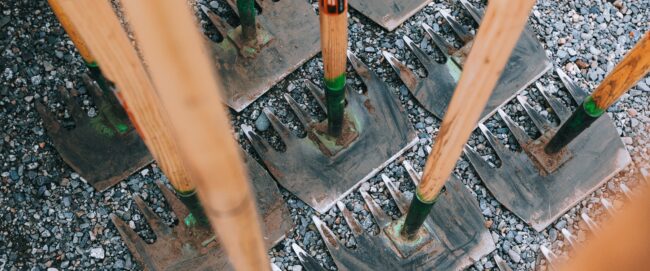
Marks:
<point>321,169</point>
<point>566,163</point>
<point>458,234</point>
<point>389,14</point>
<point>265,48</point>
<point>441,230</point>
<point>191,247</point>
<point>104,149</point>
<point>526,64</point>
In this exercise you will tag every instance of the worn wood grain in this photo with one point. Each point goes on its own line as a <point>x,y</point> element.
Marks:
<point>72,32</point>
<point>334,38</point>
<point>499,31</point>
<point>189,91</point>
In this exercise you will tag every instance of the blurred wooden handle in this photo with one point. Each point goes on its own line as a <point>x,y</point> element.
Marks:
<point>334,36</point>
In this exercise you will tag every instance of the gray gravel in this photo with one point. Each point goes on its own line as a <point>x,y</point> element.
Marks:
<point>53,220</point>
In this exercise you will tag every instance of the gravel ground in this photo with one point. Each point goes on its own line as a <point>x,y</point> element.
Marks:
<point>52,219</point>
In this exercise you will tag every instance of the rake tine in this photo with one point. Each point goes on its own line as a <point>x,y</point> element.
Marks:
<point>481,166</point>
<point>51,124</point>
<point>499,148</point>
<point>422,56</point>
<point>569,237</point>
<point>220,24</point>
<point>328,236</point>
<point>558,107</point>
<point>133,241</point>
<point>576,92</point>
<point>405,74</point>
<point>157,225</point>
<point>503,266</point>
<point>279,127</point>
<point>476,13</point>
<point>645,175</point>
<point>415,177</point>
<point>304,117</point>
<point>349,218</point>
<point>460,31</point>
<point>71,105</point>
<point>540,122</point>
<point>401,200</point>
<point>305,259</point>
<point>520,135</point>
<point>377,213</point>
<point>260,145</point>
<point>550,256</point>
<point>178,208</point>
<point>626,191</point>
<point>590,223</point>
<point>95,91</point>
<point>608,205</point>
<point>362,70</point>
<point>318,93</point>
<point>446,48</point>
<point>233,6</point>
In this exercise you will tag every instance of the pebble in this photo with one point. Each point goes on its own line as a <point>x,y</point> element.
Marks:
<point>97,252</point>
<point>514,256</point>
<point>262,123</point>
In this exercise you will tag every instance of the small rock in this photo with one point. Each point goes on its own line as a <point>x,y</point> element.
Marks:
<point>369,50</point>
<point>582,64</point>
<point>262,123</point>
<point>97,252</point>
<point>214,4</point>
<point>514,256</point>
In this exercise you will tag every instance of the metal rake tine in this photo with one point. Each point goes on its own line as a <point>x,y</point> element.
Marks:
<point>444,46</point>
<point>284,131</point>
<point>405,74</point>
<point>520,135</point>
<point>132,240</point>
<point>421,55</point>
<point>304,117</point>
<point>501,264</point>
<point>645,175</point>
<point>259,144</point>
<point>71,105</point>
<point>590,223</point>
<point>377,213</point>
<point>366,75</point>
<point>498,147</point>
<point>608,205</point>
<point>626,191</point>
<point>415,177</point>
<point>49,121</point>
<point>156,224</point>
<point>318,93</point>
<point>349,218</point>
<point>476,13</point>
<point>540,122</point>
<point>577,92</point>
<point>460,31</point>
<point>480,165</point>
<point>275,267</point>
<point>401,200</point>
<point>220,24</point>
<point>328,236</point>
<point>558,107</point>
<point>95,91</point>
<point>233,6</point>
<point>569,237</point>
<point>550,256</point>
<point>305,259</point>
<point>179,209</point>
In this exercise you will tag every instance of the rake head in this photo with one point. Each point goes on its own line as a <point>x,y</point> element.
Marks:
<point>319,169</point>
<point>455,226</point>
<point>289,32</point>
<point>104,149</point>
<point>389,14</point>
<point>191,248</point>
<point>527,63</point>
<point>540,188</point>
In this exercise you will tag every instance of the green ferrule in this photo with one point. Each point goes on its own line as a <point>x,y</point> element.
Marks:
<point>92,64</point>
<point>197,215</point>
<point>417,214</point>
<point>246,10</point>
<point>336,83</point>
<point>579,121</point>
<point>335,99</point>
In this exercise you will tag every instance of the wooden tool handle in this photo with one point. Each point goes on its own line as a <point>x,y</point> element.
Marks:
<point>500,29</point>
<point>72,32</point>
<point>334,36</point>
<point>107,41</point>
<point>635,65</point>
<point>180,68</point>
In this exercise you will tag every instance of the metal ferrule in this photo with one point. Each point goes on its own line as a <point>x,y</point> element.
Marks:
<point>416,216</point>
<point>579,121</point>
<point>197,215</point>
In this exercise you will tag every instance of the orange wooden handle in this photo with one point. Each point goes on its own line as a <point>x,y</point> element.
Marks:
<point>72,32</point>
<point>334,36</point>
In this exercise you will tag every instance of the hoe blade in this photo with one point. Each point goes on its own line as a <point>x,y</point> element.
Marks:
<point>104,149</point>
<point>455,225</point>
<point>526,64</point>
<point>540,188</point>
<point>321,170</point>
<point>290,30</point>
<point>192,248</point>
<point>389,14</point>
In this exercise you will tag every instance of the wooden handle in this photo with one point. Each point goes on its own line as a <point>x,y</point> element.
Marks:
<point>107,41</point>
<point>72,32</point>
<point>501,27</point>
<point>334,36</point>
<point>635,65</point>
<point>180,68</point>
